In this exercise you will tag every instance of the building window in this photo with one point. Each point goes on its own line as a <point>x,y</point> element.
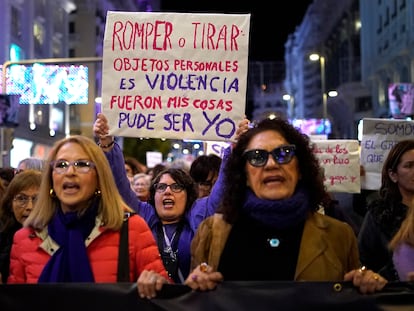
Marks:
<point>72,27</point>
<point>363,104</point>
<point>394,9</point>
<point>387,17</point>
<point>39,35</point>
<point>16,27</point>
<point>379,29</point>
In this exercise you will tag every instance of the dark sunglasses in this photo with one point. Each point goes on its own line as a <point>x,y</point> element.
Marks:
<point>259,157</point>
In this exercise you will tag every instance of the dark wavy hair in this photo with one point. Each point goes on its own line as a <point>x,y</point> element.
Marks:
<point>235,172</point>
<point>181,177</point>
<point>203,165</point>
<point>389,190</point>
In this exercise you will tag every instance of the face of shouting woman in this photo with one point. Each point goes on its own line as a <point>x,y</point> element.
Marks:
<point>272,181</point>
<point>74,177</point>
<point>170,199</point>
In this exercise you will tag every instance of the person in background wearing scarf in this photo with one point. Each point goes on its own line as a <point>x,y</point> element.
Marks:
<point>267,227</point>
<point>73,232</point>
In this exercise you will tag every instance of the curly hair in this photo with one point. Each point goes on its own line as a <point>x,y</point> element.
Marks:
<point>181,177</point>
<point>203,165</point>
<point>235,172</point>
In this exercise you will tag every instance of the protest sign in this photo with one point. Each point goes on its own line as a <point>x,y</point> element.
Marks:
<point>378,137</point>
<point>401,99</point>
<point>175,75</point>
<point>339,160</point>
<point>215,147</point>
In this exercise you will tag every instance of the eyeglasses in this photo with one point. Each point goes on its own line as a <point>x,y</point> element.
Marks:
<point>81,166</point>
<point>259,157</point>
<point>22,200</point>
<point>161,187</point>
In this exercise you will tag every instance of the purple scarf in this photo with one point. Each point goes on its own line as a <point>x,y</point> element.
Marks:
<point>278,214</point>
<point>70,262</point>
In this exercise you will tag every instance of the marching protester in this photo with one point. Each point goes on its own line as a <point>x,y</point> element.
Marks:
<point>73,232</point>
<point>386,235</point>
<point>172,212</point>
<point>272,191</point>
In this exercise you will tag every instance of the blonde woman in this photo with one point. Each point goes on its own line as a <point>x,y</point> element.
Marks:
<point>73,233</point>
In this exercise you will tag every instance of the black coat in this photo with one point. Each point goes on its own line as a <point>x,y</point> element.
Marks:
<point>381,222</point>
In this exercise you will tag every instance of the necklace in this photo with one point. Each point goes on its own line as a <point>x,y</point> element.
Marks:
<point>168,242</point>
<point>273,242</point>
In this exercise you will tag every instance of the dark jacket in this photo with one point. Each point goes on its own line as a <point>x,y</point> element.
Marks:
<point>201,209</point>
<point>381,222</point>
<point>6,241</point>
<point>328,247</point>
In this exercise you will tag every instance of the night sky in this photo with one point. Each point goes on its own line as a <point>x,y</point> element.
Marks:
<point>269,27</point>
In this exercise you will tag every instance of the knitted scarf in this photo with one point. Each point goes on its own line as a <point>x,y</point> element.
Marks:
<point>70,262</point>
<point>278,214</point>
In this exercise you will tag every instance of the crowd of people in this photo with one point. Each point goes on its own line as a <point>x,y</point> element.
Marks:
<point>63,219</point>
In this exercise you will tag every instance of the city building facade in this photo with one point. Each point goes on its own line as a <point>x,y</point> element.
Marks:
<point>63,32</point>
<point>365,46</point>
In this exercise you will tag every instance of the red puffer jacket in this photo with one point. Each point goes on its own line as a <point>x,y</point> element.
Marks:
<point>31,251</point>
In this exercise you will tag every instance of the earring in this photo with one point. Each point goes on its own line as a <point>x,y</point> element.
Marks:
<point>52,193</point>
<point>98,193</point>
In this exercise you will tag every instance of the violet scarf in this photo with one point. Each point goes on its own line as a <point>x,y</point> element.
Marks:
<point>70,262</point>
<point>278,214</point>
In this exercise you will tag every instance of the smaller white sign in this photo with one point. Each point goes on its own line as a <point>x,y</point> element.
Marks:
<point>153,158</point>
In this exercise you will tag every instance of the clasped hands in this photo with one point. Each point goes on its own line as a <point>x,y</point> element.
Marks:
<point>201,278</point>
<point>366,280</point>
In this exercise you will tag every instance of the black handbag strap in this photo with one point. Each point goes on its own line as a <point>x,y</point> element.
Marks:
<point>123,255</point>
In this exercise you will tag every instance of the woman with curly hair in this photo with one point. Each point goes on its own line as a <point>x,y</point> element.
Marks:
<point>268,222</point>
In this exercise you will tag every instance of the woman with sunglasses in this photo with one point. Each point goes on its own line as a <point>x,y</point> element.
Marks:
<point>268,227</point>
<point>73,232</point>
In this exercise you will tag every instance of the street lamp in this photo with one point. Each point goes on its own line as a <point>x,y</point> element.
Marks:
<point>315,57</point>
<point>289,99</point>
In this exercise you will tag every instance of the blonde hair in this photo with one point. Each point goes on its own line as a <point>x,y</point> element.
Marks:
<point>111,205</point>
<point>406,232</point>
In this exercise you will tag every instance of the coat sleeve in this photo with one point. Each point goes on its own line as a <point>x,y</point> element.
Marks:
<point>146,253</point>
<point>372,244</point>
<point>207,206</point>
<point>16,274</point>
<point>117,163</point>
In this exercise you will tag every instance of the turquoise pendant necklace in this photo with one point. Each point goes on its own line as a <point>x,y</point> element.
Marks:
<point>274,242</point>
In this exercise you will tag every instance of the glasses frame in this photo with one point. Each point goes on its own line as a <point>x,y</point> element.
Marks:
<point>80,166</point>
<point>174,187</point>
<point>22,200</point>
<point>259,157</point>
